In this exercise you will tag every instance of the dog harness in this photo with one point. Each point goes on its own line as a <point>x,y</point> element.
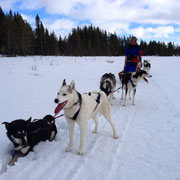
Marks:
<point>78,102</point>
<point>97,100</point>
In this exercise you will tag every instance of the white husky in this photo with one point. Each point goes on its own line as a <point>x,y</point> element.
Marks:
<point>80,108</point>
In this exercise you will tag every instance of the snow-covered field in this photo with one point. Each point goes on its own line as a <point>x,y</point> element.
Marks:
<point>148,147</point>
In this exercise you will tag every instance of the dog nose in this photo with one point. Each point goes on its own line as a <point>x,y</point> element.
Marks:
<point>56,100</point>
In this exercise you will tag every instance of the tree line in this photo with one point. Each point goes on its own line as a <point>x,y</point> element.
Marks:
<point>18,38</point>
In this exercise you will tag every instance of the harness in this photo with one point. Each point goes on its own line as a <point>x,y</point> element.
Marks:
<point>97,100</point>
<point>41,128</point>
<point>78,102</point>
<point>132,83</point>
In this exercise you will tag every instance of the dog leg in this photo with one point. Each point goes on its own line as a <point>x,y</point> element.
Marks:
<point>110,98</point>
<point>113,96</point>
<point>52,136</point>
<point>14,159</point>
<point>106,111</point>
<point>96,124</point>
<point>82,139</point>
<point>122,93</point>
<point>125,99</point>
<point>130,94</point>
<point>134,93</point>
<point>71,135</point>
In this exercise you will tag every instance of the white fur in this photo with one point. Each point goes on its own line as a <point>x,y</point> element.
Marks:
<point>16,140</point>
<point>69,93</point>
<point>25,149</point>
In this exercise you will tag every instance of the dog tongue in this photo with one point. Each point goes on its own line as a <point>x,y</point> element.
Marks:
<point>146,80</point>
<point>59,107</point>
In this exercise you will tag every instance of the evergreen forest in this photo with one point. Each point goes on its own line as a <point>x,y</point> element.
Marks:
<point>17,38</point>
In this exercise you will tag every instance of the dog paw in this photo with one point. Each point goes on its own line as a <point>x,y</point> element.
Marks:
<point>68,149</point>
<point>80,152</point>
<point>124,104</point>
<point>115,137</point>
<point>95,131</point>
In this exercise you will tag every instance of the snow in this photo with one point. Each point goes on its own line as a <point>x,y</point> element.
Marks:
<point>148,147</point>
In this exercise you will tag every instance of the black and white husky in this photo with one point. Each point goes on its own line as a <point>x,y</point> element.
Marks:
<point>26,134</point>
<point>146,66</point>
<point>80,108</point>
<point>130,81</point>
<point>108,85</point>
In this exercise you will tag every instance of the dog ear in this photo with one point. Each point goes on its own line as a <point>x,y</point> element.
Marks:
<point>72,85</point>
<point>64,83</point>
<point>28,121</point>
<point>7,125</point>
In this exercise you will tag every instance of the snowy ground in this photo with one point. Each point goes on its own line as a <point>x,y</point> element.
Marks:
<point>149,143</point>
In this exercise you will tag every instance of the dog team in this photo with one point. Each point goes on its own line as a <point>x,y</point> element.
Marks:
<point>78,108</point>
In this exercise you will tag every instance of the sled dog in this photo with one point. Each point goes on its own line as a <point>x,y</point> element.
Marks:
<point>108,85</point>
<point>130,81</point>
<point>26,134</point>
<point>80,108</point>
<point>146,66</point>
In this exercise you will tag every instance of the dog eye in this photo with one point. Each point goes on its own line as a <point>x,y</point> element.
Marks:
<point>64,94</point>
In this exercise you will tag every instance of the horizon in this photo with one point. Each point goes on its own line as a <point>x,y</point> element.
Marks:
<point>147,20</point>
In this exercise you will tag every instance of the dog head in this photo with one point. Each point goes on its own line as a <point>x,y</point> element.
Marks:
<point>106,87</point>
<point>142,74</point>
<point>17,131</point>
<point>147,64</point>
<point>65,95</point>
<point>49,119</point>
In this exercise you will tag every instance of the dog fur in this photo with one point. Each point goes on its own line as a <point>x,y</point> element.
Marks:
<point>130,81</point>
<point>108,85</point>
<point>87,106</point>
<point>26,134</point>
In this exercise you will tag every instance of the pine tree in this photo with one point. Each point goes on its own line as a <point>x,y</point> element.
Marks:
<point>2,32</point>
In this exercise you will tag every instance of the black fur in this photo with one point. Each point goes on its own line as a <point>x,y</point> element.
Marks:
<point>26,134</point>
<point>147,64</point>
<point>139,73</point>
<point>107,89</point>
<point>126,78</point>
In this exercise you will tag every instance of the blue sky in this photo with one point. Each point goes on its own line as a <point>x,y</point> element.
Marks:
<point>147,19</point>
